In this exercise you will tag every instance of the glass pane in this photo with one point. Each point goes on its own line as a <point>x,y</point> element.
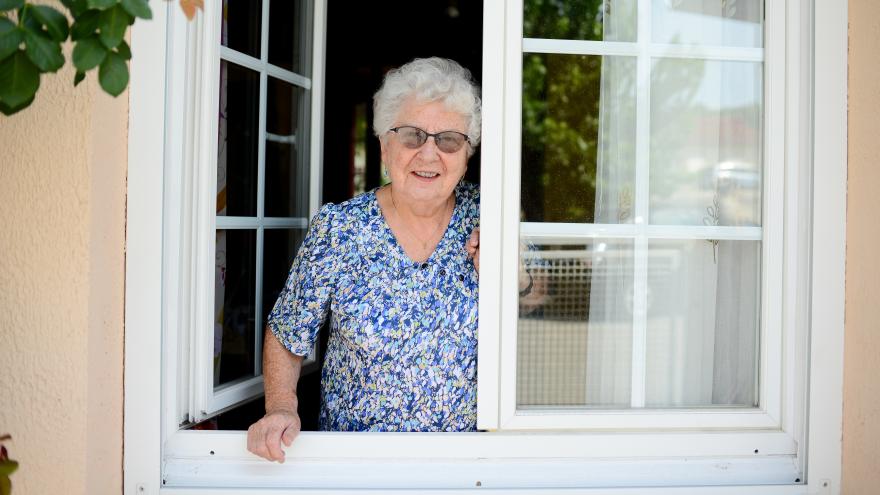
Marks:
<point>708,22</point>
<point>237,143</point>
<point>706,144</point>
<point>289,35</point>
<point>234,297</point>
<point>284,180</point>
<point>241,26</point>
<point>279,248</point>
<point>597,20</point>
<point>703,310</point>
<point>574,338</point>
<point>578,138</point>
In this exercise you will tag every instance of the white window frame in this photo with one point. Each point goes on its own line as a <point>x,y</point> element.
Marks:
<point>191,220</point>
<point>160,459</point>
<point>506,207</point>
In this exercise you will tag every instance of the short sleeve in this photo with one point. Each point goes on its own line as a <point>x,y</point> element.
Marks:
<point>303,304</point>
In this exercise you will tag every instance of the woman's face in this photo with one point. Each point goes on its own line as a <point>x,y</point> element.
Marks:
<point>425,174</point>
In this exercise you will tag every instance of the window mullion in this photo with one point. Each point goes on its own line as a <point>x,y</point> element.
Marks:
<point>258,65</point>
<point>261,192</point>
<point>640,245</point>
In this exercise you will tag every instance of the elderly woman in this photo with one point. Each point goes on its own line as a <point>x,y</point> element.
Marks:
<point>396,268</point>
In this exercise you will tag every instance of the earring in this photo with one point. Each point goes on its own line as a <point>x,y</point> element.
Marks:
<point>384,172</point>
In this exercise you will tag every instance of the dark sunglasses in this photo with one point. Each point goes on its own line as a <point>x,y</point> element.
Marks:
<point>446,141</point>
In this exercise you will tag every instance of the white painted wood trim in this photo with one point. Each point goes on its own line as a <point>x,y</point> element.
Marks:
<point>633,49</point>
<point>143,262</point>
<point>510,474</point>
<point>639,353</point>
<point>457,460</point>
<point>546,444</point>
<point>253,223</point>
<point>202,209</point>
<point>316,134</point>
<point>579,47</point>
<point>713,490</point>
<point>510,207</point>
<point>640,419</point>
<point>829,243</point>
<point>262,66</point>
<point>798,222</point>
<point>492,170</point>
<point>770,332</point>
<point>568,233</point>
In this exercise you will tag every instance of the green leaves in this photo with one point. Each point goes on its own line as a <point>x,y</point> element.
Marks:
<point>11,4</point>
<point>88,53</point>
<point>124,50</point>
<point>114,23</point>
<point>54,21</point>
<point>113,74</point>
<point>43,52</point>
<point>42,29</point>
<point>11,37</point>
<point>8,467</point>
<point>32,36</point>
<point>101,4</point>
<point>19,81</point>
<point>85,24</point>
<point>137,8</point>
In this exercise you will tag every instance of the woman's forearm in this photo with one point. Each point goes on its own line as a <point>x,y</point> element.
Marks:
<point>281,371</point>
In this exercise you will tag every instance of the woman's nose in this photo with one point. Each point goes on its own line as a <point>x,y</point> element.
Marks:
<point>429,149</point>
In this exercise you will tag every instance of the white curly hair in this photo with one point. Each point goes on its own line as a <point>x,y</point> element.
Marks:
<point>428,80</point>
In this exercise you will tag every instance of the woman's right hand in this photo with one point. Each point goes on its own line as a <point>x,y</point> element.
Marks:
<point>265,437</point>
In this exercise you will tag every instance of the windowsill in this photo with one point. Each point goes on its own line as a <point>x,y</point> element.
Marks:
<point>343,461</point>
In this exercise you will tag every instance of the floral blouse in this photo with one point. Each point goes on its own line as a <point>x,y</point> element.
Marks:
<point>402,354</point>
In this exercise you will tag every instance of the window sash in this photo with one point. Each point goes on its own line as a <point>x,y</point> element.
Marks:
<point>497,394</point>
<point>195,196</point>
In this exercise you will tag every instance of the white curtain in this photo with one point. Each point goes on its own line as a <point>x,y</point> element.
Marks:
<point>609,331</point>
<point>703,295</point>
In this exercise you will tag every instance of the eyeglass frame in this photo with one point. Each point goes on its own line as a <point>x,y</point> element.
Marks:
<point>467,139</point>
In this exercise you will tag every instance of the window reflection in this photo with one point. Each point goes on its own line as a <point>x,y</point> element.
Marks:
<point>578,138</point>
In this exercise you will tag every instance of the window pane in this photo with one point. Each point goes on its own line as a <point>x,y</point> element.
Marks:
<point>574,339</point>
<point>706,145</point>
<point>708,22</point>
<point>237,143</point>
<point>234,298</point>
<point>287,36</point>
<point>285,180</point>
<point>703,310</point>
<point>241,26</point>
<point>578,142</point>
<point>598,20</point>
<point>279,248</point>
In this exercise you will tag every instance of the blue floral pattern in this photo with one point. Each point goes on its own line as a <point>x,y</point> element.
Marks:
<point>402,354</point>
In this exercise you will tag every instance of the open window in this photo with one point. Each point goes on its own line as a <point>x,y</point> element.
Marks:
<point>650,187</point>
<point>647,161</point>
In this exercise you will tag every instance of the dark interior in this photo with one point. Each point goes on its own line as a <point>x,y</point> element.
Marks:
<point>364,41</point>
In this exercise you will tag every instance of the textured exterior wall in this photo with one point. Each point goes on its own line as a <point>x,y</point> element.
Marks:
<point>861,403</point>
<point>62,184</point>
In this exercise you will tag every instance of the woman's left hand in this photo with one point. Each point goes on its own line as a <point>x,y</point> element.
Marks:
<point>473,248</point>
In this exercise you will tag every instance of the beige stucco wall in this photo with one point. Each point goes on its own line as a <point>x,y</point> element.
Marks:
<point>62,184</point>
<point>861,403</point>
